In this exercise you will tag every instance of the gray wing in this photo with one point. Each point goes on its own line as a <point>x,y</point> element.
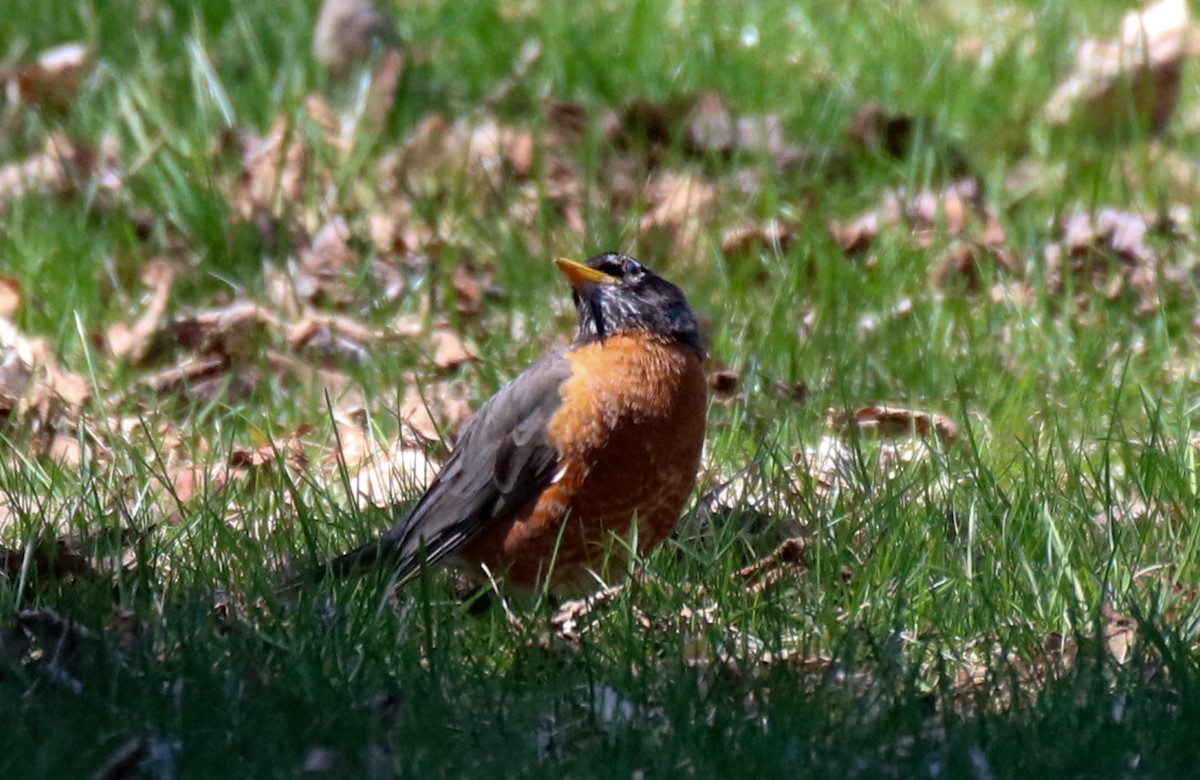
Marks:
<point>502,460</point>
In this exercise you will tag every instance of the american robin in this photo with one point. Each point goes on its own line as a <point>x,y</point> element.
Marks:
<point>582,446</point>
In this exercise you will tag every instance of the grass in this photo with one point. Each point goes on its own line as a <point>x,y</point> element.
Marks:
<point>953,615</point>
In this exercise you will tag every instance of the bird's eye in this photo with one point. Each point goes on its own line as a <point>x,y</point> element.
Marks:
<point>632,268</point>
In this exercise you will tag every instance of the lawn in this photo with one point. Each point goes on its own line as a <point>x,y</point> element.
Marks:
<point>247,301</point>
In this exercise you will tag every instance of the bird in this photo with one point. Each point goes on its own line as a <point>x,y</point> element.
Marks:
<point>552,475</point>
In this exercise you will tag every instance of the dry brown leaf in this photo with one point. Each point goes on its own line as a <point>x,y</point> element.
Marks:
<point>1106,253</point>
<point>875,127</point>
<point>281,291</point>
<point>764,575</point>
<point>962,265</point>
<point>385,86</point>
<point>332,338</point>
<point>450,350</point>
<point>492,155</point>
<point>380,475</point>
<point>62,166</point>
<point>710,127</point>
<point>894,421</point>
<point>232,332</point>
<point>434,412</point>
<point>676,198</point>
<point>491,145</point>
<point>318,381</point>
<point>724,381</point>
<point>957,212</point>
<point>681,206</point>
<point>324,117</point>
<point>391,475</point>
<point>857,235</point>
<point>32,384</point>
<point>1138,74</point>
<point>385,234</point>
<point>574,617</point>
<point>1120,633</point>
<point>468,289</point>
<point>416,416</point>
<point>63,449</point>
<point>187,374</point>
<point>52,80</point>
<point>132,341</point>
<point>325,272</point>
<point>10,297</point>
<point>348,31</point>
<point>274,170</point>
<point>566,121</point>
<point>742,239</point>
<point>835,463</point>
<point>268,453</point>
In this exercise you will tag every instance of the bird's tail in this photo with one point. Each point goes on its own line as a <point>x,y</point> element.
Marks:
<point>345,565</point>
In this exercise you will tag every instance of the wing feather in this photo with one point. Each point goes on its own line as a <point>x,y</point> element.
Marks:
<point>502,460</point>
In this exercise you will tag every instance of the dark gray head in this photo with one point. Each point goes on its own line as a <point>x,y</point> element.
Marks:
<point>614,293</point>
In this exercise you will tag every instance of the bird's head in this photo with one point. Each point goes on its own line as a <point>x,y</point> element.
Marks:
<point>614,294</point>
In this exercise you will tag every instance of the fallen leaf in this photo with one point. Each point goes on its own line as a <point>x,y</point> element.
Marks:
<point>10,297</point>
<point>32,384</point>
<point>711,127</point>
<point>61,167</point>
<point>681,205</point>
<point>290,448</point>
<point>1120,633</point>
<point>1138,74</point>
<point>380,475</point>
<point>767,573</point>
<point>875,127</point>
<point>568,122</point>
<point>275,168</point>
<point>385,86</point>
<point>857,235</point>
<point>347,32</point>
<point>575,617</point>
<point>132,341</point>
<point>450,351</point>
<point>416,416</point>
<point>774,235</point>
<point>333,337</point>
<point>316,380</point>
<point>1105,253</point>
<point>962,265</point>
<point>232,332</point>
<point>893,421</point>
<point>326,269</point>
<point>52,80</point>
<point>468,288</point>
<point>724,381</point>
<point>956,211</point>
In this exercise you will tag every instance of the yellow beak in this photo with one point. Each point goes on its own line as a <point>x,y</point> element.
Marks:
<point>581,275</point>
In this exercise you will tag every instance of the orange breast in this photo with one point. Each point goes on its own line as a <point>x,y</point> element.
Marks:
<point>630,430</point>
